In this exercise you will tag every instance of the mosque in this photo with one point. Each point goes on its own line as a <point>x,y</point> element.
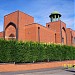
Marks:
<point>21,26</point>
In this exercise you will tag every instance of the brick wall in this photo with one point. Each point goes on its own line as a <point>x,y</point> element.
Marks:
<point>24,19</point>
<point>39,33</point>
<point>46,35</point>
<point>73,37</point>
<point>69,36</point>
<point>1,34</point>
<point>34,66</point>
<point>30,32</point>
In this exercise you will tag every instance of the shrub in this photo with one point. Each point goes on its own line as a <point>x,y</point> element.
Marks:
<point>24,52</point>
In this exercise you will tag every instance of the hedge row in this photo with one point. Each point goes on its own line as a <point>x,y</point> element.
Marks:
<point>14,51</point>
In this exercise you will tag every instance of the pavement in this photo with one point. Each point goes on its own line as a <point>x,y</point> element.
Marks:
<point>53,71</point>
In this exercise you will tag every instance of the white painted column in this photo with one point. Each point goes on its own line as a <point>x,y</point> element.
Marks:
<point>55,17</point>
<point>58,17</point>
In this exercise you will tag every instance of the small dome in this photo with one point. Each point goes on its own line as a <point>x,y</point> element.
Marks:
<point>55,12</point>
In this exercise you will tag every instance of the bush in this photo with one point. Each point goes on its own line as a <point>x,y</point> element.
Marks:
<point>28,52</point>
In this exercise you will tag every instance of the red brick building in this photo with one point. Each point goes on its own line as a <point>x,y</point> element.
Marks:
<point>21,26</point>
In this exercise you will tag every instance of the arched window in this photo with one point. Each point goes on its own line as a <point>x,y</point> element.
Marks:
<point>63,38</point>
<point>48,26</point>
<point>11,37</point>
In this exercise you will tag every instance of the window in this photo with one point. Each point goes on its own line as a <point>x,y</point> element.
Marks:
<point>48,26</point>
<point>11,37</point>
<point>38,34</point>
<point>55,38</point>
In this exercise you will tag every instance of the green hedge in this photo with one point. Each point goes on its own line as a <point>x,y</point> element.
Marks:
<point>14,51</point>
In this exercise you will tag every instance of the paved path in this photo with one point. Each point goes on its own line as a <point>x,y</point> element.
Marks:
<point>54,71</point>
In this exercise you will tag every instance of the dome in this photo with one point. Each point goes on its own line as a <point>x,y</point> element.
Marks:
<point>55,12</point>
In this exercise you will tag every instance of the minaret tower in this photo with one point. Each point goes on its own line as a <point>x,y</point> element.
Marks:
<point>55,16</point>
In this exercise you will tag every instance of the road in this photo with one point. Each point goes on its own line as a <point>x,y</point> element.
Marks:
<point>54,71</point>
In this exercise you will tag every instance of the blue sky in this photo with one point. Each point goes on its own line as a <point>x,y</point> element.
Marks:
<point>40,10</point>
